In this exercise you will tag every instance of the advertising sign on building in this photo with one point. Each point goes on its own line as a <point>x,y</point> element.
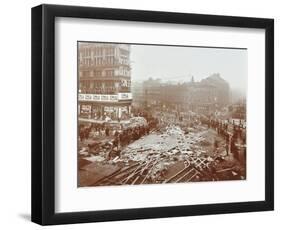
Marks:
<point>124,96</point>
<point>105,97</point>
<point>98,97</point>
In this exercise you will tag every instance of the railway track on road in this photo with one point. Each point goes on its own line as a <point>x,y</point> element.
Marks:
<point>135,174</point>
<point>184,175</point>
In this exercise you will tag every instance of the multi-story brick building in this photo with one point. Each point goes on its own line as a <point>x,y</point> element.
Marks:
<point>104,80</point>
<point>204,96</point>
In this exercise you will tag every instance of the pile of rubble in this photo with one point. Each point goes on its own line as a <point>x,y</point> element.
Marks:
<point>164,149</point>
<point>152,158</point>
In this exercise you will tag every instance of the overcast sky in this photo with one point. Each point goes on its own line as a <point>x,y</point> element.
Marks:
<point>180,63</point>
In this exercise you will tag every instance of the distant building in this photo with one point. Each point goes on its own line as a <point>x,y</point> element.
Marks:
<point>104,80</point>
<point>209,94</point>
<point>238,110</point>
<point>205,96</point>
<point>152,92</point>
<point>137,94</point>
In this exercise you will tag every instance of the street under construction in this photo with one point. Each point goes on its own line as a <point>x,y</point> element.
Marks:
<point>168,154</point>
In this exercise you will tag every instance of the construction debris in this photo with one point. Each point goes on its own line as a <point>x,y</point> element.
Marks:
<point>168,155</point>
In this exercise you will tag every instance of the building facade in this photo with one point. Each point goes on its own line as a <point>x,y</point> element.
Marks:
<point>203,97</point>
<point>104,80</point>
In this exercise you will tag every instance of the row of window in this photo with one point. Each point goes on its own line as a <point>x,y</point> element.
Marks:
<point>101,51</point>
<point>110,60</point>
<point>97,51</point>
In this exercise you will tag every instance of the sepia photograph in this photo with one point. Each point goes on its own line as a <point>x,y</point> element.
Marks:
<point>156,114</point>
<point>140,114</point>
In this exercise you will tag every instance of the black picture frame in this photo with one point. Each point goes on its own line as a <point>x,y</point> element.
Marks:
<point>43,113</point>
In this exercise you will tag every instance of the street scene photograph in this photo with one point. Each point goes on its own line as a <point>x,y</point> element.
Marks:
<point>156,114</point>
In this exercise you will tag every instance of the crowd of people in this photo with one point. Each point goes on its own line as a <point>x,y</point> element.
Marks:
<point>118,135</point>
<point>222,128</point>
<point>106,116</point>
<point>234,134</point>
<point>121,136</point>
